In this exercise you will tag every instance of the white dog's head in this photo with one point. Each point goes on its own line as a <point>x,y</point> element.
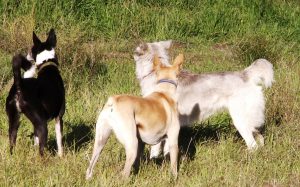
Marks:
<point>144,54</point>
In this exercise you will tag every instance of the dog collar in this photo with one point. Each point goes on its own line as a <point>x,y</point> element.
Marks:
<point>49,63</point>
<point>167,81</point>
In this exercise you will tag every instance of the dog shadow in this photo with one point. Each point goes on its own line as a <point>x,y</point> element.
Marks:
<point>76,137</point>
<point>191,136</point>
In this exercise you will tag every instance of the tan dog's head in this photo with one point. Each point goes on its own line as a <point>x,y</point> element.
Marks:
<point>169,73</point>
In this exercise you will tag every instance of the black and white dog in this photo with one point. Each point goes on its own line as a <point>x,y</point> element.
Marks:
<point>40,99</point>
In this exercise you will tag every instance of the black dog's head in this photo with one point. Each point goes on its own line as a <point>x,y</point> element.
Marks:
<point>42,51</point>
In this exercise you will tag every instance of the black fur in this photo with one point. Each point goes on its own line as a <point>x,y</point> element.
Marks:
<point>40,99</point>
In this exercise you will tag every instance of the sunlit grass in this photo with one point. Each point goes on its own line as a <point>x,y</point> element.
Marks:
<point>96,40</point>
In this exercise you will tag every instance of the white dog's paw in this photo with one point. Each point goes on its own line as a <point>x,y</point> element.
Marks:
<point>60,154</point>
<point>88,175</point>
<point>253,147</point>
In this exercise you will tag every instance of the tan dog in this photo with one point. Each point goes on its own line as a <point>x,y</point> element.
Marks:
<point>149,119</point>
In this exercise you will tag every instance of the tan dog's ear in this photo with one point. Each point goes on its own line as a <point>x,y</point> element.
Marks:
<point>178,62</point>
<point>156,63</point>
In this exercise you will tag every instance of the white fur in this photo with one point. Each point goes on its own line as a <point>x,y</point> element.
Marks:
<point>143,67</point>
<point>36,140</point>
<point>239,92</point>
<point>29,57</point>
<point>58,132</point>
<point>30,73</point>
<point>18,105</point>
<point>45,55</point>
<point>261,72</point>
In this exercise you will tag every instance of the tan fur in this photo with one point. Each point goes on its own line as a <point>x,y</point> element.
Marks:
<point>149,119</point>
<point>150,113</point>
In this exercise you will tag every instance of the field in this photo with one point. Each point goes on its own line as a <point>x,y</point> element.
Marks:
<point>95,47</point>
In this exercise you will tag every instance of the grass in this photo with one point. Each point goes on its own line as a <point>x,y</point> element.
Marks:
<point>96,40</point>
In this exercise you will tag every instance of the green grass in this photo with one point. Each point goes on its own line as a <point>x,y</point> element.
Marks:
<point>96,40</point>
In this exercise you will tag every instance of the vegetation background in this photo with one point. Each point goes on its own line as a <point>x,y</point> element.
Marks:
<point>96,39</point>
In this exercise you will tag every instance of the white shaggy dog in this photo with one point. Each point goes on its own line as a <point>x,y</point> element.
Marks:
<point>201,95</point>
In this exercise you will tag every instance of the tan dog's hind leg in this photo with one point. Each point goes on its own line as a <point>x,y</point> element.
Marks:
<point>131,154</point>
<point>174,159</point>
<point>103,131</point>
<point>130,141</point>
<point>125,130</point>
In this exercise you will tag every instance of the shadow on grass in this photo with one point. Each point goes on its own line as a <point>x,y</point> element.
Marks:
<point>75,137</point>
<point>190,137</point>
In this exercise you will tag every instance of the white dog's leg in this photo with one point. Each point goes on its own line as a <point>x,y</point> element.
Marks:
<point>248,137</point>
<point>155,150</point>
<point>58,131</point>
<point>103,130</point>
<point>166,147</point>
<point>244,128</point>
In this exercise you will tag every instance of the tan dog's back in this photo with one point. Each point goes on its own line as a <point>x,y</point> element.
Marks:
<point>151,114</point>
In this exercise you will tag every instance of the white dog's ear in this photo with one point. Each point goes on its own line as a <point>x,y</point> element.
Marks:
<point>144,47</point>
<point>166,44</point>
<point>178,62</point>
<point>141,49</point>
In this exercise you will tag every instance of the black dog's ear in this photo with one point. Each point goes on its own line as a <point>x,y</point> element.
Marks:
<point>51,40</point>
<point>36,40</point>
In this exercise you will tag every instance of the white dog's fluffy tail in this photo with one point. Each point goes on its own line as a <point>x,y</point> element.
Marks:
<point>260,72</point>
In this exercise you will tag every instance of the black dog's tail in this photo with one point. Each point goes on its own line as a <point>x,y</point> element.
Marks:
<point>18,62</point>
